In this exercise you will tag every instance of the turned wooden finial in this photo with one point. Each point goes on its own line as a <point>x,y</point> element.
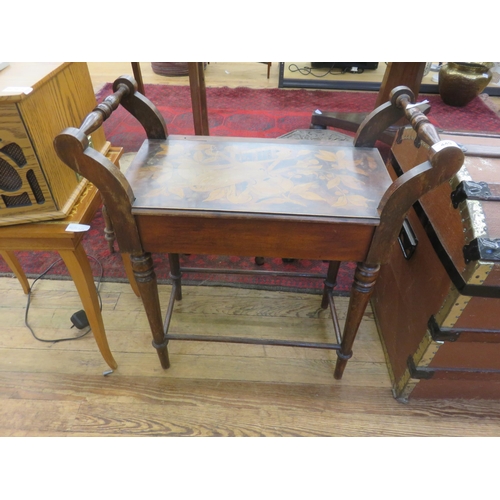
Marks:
<point>103,110</point>
<point>426,132</point>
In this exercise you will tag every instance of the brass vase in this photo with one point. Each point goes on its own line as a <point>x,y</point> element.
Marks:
<point>460,82</point>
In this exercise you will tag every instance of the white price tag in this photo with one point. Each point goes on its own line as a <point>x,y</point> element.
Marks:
<point>417,104</point>
<point>446,143</point>
<point>17,90</point>
<point>77,228</point>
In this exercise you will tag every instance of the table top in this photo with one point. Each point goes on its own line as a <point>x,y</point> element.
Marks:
<point>19,79</point>
<point>258,176</point>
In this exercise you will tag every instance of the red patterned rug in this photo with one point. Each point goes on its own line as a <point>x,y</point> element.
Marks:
<point>243,112</point>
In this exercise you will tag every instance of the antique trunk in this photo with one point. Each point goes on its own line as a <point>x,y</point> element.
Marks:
<point>436,303</point>
<point>37,101</point>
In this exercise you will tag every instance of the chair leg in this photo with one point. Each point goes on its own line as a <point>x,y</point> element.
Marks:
<point>362,289</point>
<point>198,98</point>
<point>136,69</point>
<point>175,274</point>
<point>146,281</point>
<point>330,282</point>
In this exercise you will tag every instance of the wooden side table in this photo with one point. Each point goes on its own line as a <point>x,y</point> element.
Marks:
<point>37,101</point>
<point>52,235</point>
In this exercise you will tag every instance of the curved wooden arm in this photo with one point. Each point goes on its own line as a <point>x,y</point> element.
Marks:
<point>401,104</point>
<point>72,147</point>
<point>141,108</point>
<point>445,159</point>
<point>126,94</point>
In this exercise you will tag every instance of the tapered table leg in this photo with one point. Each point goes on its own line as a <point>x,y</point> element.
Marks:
<point>79,268</point>
<point>148,287</point>
<point>13,263</point>
<point>330,282</point>
<point>362,288</point>
<point>175,274</point>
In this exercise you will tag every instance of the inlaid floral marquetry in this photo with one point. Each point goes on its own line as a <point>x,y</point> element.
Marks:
<point>258,176</point>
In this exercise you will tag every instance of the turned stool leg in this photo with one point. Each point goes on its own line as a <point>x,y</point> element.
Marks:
<point>175,274</point>
<point>330,282</point>
<point>146,281</point>
<point>362,288</point>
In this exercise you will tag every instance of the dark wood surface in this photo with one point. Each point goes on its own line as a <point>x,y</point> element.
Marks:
<point>270,237</point>
<point>261,176</point>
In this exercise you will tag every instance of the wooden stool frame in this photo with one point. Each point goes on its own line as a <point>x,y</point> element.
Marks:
<point>142,231</point>
<point>330,278</point>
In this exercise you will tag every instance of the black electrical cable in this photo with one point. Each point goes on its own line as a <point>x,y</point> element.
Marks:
<point>29,302</point>
<point>306,70</point>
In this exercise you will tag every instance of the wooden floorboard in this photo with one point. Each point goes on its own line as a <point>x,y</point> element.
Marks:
<point>211,389</point>
<point>217,74</point>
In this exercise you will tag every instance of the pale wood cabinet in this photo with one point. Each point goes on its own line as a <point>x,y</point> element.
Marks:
<point>38,101</point>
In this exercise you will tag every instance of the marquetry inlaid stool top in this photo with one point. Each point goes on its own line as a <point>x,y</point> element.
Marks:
<point>258,176</point>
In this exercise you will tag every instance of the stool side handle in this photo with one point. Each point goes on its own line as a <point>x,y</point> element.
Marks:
<point>72,148</point>
<point>139,106</point>
<point>446,158</point>
<point>401,104</point>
